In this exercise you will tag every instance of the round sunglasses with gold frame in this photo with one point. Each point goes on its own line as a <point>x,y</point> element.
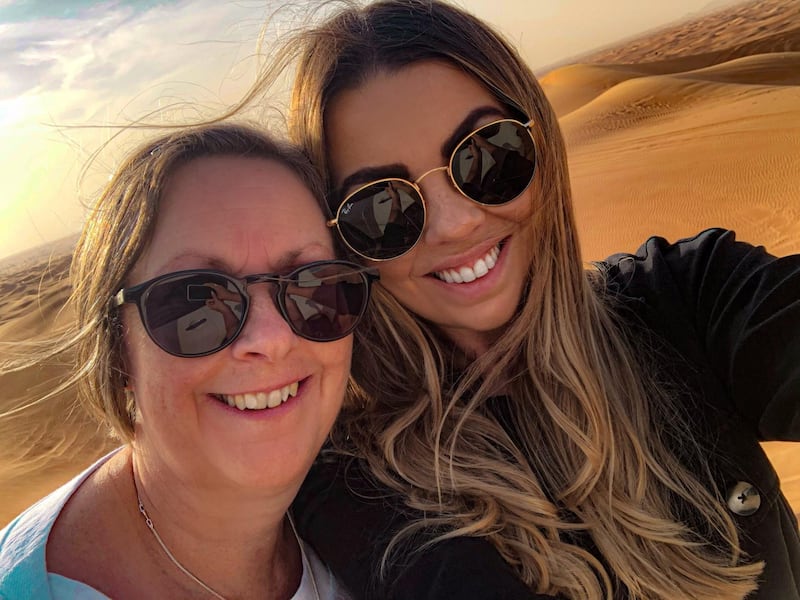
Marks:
<point>491,166</point>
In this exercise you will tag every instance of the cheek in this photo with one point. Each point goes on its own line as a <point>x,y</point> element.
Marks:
<point>395,273</point>
<point>151,372</point>
<point>523,213</point>
<point>136,345</point>
<point>396,285</point>
<point>336,358</point>
<point>521,210</point>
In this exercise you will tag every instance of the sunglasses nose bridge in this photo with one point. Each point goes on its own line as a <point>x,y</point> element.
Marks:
<point>426,173</point>
<point>274,288</point>
<point>270,300</point>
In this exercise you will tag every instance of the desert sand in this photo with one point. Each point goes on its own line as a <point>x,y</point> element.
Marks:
<point>693,126</point>
<point>686,128</point>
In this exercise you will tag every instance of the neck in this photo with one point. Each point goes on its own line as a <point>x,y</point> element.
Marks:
<point>238,544</point>
<point>473,344</point>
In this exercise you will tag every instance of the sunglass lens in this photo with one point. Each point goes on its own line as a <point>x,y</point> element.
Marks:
<point>382,220</point>
<point>325,302</point>
<point>496,163</point>
<point>193,315</point>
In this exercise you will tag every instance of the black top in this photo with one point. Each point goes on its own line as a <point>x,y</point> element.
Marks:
<point>732,313</point>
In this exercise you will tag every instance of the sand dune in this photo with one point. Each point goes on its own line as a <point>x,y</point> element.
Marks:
<point>755,27</point>
<point>45,444</point>
<point>693,126</point>
<point>677,153</point>
<point>574,86</point>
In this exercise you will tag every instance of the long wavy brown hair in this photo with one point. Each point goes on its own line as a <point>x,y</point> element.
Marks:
<point>590,463</point>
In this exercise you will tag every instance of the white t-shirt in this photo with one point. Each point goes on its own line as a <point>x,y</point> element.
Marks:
<point>23,568</point>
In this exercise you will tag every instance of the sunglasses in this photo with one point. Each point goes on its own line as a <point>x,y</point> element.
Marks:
<point>199,312</point>
<point>491,166</point>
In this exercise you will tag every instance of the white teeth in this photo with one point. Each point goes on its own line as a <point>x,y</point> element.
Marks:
<point>261,400</point>
<point>274,398</point>
<point>467,274</point>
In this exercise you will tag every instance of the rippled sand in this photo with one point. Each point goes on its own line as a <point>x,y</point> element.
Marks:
<point>47,443</point>
<point>691,127</point>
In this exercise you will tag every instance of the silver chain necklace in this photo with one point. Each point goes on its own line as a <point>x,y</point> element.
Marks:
<point>149,522</point>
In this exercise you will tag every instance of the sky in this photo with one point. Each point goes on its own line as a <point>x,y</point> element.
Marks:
<point>74,72</point>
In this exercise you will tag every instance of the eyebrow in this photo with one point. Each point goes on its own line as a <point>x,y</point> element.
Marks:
<point>462,130</point>
<point>287,262</point>
<point>468,125</point>
<point>369,174</point>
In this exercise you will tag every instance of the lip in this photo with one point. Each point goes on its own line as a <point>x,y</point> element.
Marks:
<point>469,258</point>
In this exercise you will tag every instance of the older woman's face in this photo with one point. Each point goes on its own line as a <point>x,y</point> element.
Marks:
<point>399,124</point>
<point>241,216</point>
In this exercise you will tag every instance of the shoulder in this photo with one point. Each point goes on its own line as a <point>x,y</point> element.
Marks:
<point>698,276</point>
<point>658,259</point>
<point>731,311</point>
<point>23,569</point>
<point>22,546</point>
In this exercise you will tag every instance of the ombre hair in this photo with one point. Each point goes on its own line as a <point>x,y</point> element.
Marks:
<point>117,231</point>
<point>590,460</point>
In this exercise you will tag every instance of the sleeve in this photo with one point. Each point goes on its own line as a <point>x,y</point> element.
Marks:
<point>743,306</point>
<point>350,521</point>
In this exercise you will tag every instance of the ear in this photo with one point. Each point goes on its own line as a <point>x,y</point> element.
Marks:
<point>116,331</point>
<point>130,403</point>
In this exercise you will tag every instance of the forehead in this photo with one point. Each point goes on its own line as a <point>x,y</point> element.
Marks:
<point>234,211</point>
<point>420,104</point>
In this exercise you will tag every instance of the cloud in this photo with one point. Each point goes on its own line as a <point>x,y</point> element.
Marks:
<point>103,67</point>
<point>114,52</point>
<point>41,54</point>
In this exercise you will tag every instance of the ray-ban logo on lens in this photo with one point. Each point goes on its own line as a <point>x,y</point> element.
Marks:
<point>347,208</point>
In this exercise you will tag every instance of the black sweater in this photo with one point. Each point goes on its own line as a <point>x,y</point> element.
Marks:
<point>731,313</point>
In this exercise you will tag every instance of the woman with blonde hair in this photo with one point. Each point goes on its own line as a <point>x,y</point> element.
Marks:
<point>214,337</point>
<point>519,426</point>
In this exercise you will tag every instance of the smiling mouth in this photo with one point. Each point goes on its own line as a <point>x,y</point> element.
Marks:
<point>471,272</point>
<point>260,400</point>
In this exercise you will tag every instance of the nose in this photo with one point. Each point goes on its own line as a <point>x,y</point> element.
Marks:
<point>266,334</point>
<point>451,216</point>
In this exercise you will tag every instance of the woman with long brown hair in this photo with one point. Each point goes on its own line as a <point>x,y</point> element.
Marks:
<point>518,424</point>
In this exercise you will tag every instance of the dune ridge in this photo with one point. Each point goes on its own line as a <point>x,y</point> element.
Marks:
<point>677,152</point>
<point>755,27</point>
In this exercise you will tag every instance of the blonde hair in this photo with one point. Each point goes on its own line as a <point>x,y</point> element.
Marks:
<point>591,457</point>
<point>115,234</point>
